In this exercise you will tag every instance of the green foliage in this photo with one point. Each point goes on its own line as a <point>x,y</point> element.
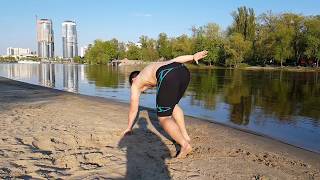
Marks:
<point>236,49</point>
<point>121,54</point>
<point>181,45</point>
<point>134,52</point>
<point>283,36</point>
<point>267,39</point>
<point>148,50</point>
<point>79,60</point>
<point>313,38</point>
<point>164,47</point>
<point>8,59</point>
<point>209,38</point>
<point>102,52</point>
<point>244,23</point>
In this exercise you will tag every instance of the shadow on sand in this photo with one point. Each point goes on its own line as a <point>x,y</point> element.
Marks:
<point>13,92</point>
<point>145,151</point>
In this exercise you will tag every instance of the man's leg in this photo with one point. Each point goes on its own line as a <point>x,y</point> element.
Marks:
<point>179,118</point>
<point>170,126</point>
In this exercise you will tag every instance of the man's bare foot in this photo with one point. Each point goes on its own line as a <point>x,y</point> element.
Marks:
<point>185,150</point>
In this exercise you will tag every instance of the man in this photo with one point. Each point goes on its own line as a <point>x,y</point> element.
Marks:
<point>171,79</point>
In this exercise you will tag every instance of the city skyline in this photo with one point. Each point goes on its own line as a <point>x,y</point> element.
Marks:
<point>125,20</point>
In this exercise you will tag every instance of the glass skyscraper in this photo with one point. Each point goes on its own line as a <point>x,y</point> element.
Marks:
<point>45,39</point>
<point>69,39</point>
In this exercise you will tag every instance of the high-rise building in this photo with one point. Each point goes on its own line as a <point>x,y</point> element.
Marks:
<point>45,38</point>
<point>83,51</point>
<point>69,39</point>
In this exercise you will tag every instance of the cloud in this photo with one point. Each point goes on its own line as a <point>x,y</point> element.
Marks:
<point>142,15</point>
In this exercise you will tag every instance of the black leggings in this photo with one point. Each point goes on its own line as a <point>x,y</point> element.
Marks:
<point>172,81</point>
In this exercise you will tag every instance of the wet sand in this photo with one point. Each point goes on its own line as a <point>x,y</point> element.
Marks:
<point>46,133</point>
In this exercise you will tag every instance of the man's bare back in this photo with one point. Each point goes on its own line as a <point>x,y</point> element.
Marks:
<point>147,77</point>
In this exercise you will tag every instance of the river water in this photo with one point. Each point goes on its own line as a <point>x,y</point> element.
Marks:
<point>279,104</point>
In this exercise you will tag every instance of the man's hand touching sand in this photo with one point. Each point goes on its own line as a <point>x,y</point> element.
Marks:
<point>126,132</point>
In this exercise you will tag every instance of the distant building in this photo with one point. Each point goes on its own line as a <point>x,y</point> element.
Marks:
<point>45,39</point>
<point>69,40</point>
<point>139,45</point>
<point>83,50</point>
<point>18,51</point>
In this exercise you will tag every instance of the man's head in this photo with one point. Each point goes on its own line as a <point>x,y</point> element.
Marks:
<point>133,75</point>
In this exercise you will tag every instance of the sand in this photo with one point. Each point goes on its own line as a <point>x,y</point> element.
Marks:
<point>46,133</point>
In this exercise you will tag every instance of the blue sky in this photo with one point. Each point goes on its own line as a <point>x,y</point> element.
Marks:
<point>126,20</point>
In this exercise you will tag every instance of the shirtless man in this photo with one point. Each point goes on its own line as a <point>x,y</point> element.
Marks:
<point>171,78</point>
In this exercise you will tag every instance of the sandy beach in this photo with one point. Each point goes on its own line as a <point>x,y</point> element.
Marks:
<point>50,134</point>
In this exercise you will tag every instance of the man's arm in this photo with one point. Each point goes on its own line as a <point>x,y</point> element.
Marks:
<point>197,56</point>
<point>134,107</point>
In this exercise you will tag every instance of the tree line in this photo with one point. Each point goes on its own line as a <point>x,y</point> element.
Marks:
<point>14,59</point>
<point>276,39</point>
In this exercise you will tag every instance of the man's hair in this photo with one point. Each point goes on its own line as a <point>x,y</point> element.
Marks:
<point>133,75</point>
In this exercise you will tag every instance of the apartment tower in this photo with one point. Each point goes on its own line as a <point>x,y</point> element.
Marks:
<point>45,39</point>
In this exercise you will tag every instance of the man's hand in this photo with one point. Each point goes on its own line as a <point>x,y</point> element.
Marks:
<point>200,55</point>
<point>128,131</point>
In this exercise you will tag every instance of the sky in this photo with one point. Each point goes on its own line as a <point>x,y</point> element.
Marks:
<point>126,20</point>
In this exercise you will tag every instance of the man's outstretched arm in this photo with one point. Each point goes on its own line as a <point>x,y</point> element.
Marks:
<point>197,56</point>
<point>134,107</point>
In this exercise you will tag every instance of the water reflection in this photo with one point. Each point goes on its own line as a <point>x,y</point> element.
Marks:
<point>279,94</point>
<point>104,76</point>
<point>13,71</point>
<point>71,78</point>
<point>284,105</point>
<point>47,75</point>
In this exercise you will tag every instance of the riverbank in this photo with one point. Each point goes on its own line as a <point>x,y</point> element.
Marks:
<point>244,67</point>
<point>260,68</point>
<point>47,133</point>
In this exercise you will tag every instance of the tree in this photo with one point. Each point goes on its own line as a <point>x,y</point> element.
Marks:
<point>121,51</point>
<point>263,45</point>
<point>134,52</point>
<point>101,52</point>
<point>148,50</point>
<point>164,47</point>
<point>244,22</point>
<point>236,49</point>
<point>295,23</point>
<point>208,38</point>
<point>78,59</point>
<point>181,45</point>
<point>313,38</point>
<point>213,43</point>
<point>277,38</point>
<point>283,49</point>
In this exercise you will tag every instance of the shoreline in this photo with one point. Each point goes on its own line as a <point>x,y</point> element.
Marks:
<point>52,133</point>
<point>249,68</point>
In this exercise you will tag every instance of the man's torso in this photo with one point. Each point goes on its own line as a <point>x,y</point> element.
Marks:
<point>147,77</point>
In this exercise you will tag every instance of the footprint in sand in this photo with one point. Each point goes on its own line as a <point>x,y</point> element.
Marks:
<point>43,144</point>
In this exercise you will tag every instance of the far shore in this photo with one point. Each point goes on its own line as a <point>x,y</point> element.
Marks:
<point>202,66</point>
<point>50,134</point>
